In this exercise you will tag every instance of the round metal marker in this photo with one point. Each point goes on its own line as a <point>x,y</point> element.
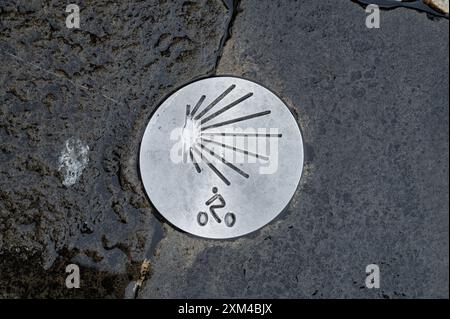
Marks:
<point>221,157</point>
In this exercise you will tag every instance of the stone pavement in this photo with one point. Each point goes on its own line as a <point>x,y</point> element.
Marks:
<point>372,105</point>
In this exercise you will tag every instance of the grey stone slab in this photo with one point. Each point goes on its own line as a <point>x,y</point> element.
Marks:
<point>373,108</point>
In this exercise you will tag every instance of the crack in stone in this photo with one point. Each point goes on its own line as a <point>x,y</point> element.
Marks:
<point>145,272</point>
<point>233,8</point>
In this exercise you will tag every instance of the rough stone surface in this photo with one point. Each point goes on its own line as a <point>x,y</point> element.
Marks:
<point>97,85</point>
<point>373,108</point>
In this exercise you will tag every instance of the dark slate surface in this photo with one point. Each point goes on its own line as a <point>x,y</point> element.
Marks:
<point>98,84</point>
<point>373,108</point>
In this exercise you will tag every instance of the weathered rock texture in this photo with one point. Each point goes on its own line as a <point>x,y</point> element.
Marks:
<point>98,85</point>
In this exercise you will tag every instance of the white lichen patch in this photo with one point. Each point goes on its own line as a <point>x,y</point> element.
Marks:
<point>73,160</point>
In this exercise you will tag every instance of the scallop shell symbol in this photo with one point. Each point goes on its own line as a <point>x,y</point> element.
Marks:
<point>225,134</point>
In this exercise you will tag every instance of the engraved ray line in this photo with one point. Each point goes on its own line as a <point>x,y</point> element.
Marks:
<point>184,153</point>
<point>194,161</point>
<point>226,108</point>
<point>213,103</point>
<point>198,105</point>
<point>239,119</point>
<point>188,110</point>
<point>235,149</point>
<point>223,160</point>
<point>212,167</point>
<point>242,134</point>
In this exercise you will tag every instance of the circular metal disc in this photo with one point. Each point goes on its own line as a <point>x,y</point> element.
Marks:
<point>221,157</point>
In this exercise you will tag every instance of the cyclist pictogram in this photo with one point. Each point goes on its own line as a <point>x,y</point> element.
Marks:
<point>229,218</point>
